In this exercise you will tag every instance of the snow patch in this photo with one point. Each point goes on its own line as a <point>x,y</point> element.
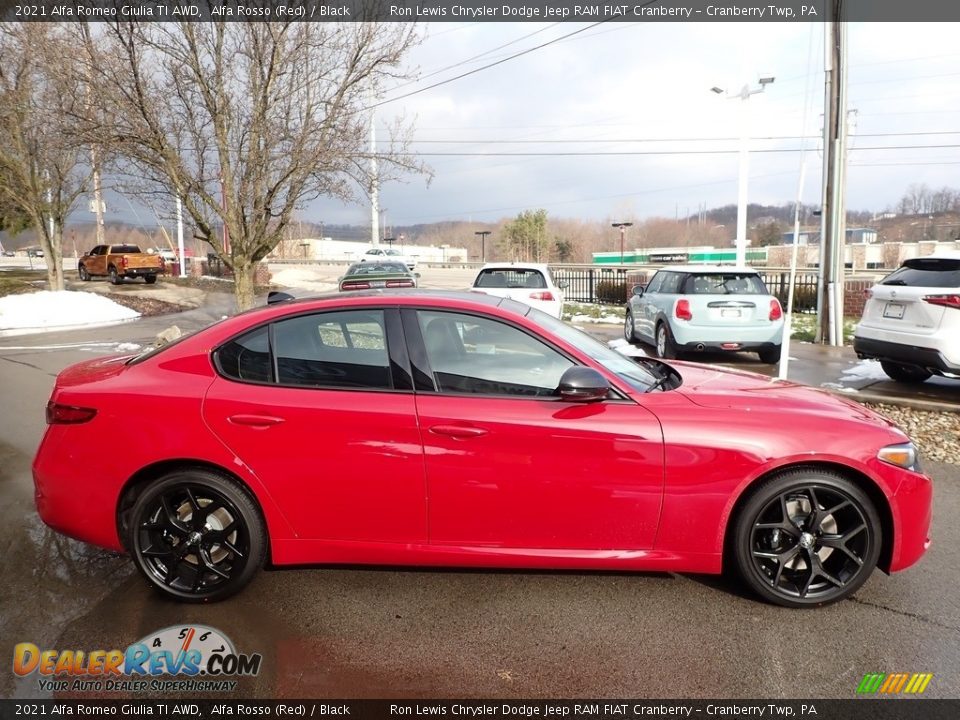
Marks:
<point>611,319</point>
<point>864,370</point>
<point>128,347</point>
<point>625,348</point>
<point>64,308</point>
<point>306,278</point>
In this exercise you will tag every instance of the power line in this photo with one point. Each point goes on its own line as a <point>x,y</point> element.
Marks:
<point>621,153</point>
<point>676,139</point>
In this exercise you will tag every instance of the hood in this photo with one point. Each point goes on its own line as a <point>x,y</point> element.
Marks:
<point>721,388</point>
<point>90,371</point>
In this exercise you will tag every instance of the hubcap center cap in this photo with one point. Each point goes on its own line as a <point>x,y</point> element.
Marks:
<point>806,540</point>
<point>193,538</point>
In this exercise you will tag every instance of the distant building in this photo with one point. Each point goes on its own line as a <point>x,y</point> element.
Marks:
<point>811,236</point>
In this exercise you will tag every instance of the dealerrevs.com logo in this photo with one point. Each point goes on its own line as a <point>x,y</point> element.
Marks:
<point>201,658</point>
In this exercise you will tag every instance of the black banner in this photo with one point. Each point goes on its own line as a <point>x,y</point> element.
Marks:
<point>865,709</point>
<point>477,10</point>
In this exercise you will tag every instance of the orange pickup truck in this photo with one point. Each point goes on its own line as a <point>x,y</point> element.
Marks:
<point>120,261</point>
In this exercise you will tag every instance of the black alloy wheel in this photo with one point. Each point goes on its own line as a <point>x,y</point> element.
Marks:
<point>84,275</point>
<point>807,538</point>
<point>196,536</point>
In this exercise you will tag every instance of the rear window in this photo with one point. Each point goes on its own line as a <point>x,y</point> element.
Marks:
<point>373,268</point>
<point>510,278</point>
<point>724,284</point>
<point>926,272</point>
<point>124,249</point>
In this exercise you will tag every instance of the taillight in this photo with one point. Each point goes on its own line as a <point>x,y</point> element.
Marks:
<point>545,295</point>
<point>58,414</point>
<point>123,260</point>
<point>776,312</point>
<point>868,293</point>
<point>399,283</point>
<point>950,301</point>
<point>682,310</point>
<point>355,286</point>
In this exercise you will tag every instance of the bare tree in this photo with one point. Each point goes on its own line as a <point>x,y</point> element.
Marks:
<point>244,122</point>
<point>42,173</point>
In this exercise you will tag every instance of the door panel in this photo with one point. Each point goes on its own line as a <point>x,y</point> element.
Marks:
<point>531,473</point>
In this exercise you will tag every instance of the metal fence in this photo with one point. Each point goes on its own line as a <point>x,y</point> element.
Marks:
<point>609,286</point>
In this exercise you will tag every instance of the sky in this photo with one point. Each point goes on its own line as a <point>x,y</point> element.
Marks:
<point>608,87</point>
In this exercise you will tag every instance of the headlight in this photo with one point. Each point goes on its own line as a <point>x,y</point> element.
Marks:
<point>903,455</point>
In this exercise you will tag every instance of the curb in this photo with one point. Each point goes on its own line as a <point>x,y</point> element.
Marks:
<point>880,399</point>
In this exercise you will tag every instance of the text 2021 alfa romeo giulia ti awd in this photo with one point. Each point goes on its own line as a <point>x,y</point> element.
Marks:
<point>459,429</point>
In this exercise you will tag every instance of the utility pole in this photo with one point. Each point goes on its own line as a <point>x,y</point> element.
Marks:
<point>180,249</point>
<point>483,243</point>
<point>833,229</point>
<point>374,178</point>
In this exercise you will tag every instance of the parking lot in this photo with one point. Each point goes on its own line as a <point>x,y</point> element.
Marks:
<point>418,633</point>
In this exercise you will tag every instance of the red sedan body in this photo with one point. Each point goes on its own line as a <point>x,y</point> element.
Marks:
<point>412,474</point>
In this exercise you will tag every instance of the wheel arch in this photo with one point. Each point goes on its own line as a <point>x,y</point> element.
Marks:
<point>862,481</point>
<point>145,476</point>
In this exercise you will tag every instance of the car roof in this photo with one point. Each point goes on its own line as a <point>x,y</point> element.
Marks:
<point>938,255</point>
<point>711,269</point>
<point>542,267</point>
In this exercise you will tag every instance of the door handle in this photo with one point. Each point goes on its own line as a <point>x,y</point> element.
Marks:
<point>257,421</point>
<point>461,432</point>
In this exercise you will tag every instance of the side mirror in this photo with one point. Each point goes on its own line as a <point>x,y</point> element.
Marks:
<point>563,284</point>
<point>276,296</point>
<point>637,290</point>
<point>582,384</point>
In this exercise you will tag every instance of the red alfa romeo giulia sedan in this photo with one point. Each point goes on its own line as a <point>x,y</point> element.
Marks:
<point>456,429</point>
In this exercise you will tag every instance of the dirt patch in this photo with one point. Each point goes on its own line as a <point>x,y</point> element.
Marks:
<point>14,282</point>
<point>147,307</point>
<point>208,284</point>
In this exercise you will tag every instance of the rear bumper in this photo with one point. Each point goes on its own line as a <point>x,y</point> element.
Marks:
<point>689,337</point>
<point>930,358</point>
<point>720,347</point>
<point>140,272</point>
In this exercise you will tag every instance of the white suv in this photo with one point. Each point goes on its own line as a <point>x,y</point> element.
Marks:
<point>530,283</point>
<point>911,322</point>
<point>379,254</point>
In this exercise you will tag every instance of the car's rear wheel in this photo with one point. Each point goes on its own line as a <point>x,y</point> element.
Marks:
<point>114,275</point>
<point>904,373</point>
<point>84,275</point>
<point>770,355</point>
<point>666,348</point>
<point>807,537</point>
<point>196,536</point>
<point>629,331</point>
<point>150,279</point>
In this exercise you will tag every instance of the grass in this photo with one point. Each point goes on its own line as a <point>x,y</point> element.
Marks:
<point>591,310</point>
<point>17,281</point>
<point>805,327</point>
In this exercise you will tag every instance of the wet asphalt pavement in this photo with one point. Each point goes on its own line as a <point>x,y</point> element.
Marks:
<point>333,632</point>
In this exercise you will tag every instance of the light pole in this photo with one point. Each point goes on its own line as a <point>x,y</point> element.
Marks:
<point>744,94</point>
<point>483,243</point>
<point>623,230</point>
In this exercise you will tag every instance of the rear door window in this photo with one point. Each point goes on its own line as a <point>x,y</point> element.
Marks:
<point>927,272</point>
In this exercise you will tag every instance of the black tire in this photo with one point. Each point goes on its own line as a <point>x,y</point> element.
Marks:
<point>771,356</point>
<point>114,276</point>
<point>665,346</point>
<point>795,557</point>
<point>150,279</point>
<point>629,331</point>
<point>190,553</point>
<point>84,275</point>
<point>904,373</point>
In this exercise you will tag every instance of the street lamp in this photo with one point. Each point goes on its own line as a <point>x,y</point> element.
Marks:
<point>483,243</point>
<point>623,229</point>
<point>743,94</point>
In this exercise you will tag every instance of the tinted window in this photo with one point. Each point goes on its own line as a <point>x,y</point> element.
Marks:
<point>247,357</point>
<point>378,267</point>
<point>724,284</point>
<point>927,272</point>
<point>671,283</point>
<point>510,278</point>
<point>342,349</point>
<point>477,355</point>
<point>122,249</point>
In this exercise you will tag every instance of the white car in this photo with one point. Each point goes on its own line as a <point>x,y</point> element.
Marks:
<point>529,283</point>
<point>911,320</point>
<point>379,254</point>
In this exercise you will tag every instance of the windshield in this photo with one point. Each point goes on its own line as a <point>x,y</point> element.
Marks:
<point>636,376</point>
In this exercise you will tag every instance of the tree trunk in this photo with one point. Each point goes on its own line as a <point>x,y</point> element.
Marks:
<point>55,262</point>
<point>243,276</point>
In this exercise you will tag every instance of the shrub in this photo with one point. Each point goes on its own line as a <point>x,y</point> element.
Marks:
<point>611,292</point>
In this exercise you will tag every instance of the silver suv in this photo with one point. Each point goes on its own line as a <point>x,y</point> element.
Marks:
<point>911,320</point>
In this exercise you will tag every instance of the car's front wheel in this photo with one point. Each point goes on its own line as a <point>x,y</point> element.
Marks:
<point>196,536</point>
<point>84,274</point>
<point>807,537</point>
<point>904,373</point>
<point>629,331</point>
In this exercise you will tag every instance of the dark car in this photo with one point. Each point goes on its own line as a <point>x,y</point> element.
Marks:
<point>369,275</point>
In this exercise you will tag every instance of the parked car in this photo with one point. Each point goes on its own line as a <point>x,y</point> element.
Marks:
<point>363,276</point>
<point>379,254</point>
<point>434,428</point>
<point>692,308</point>
<point>35,252</point>
<point>9,253</point>
<point>529,283</point>
<point>118,262</point>
<point>911,320</point>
